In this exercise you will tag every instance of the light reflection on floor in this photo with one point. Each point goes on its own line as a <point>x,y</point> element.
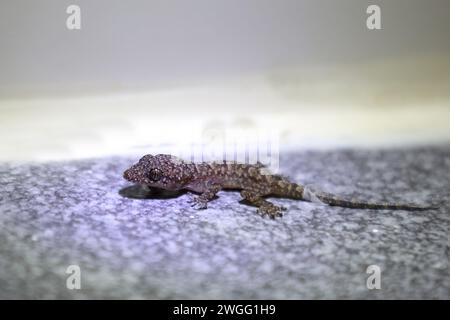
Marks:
<point>135,123</point>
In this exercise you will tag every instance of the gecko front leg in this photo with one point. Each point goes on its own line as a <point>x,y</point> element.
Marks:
<point>201,201</point>
<point>264,206</point>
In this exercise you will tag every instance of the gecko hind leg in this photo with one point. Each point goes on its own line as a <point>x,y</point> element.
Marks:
<point>264,206</point>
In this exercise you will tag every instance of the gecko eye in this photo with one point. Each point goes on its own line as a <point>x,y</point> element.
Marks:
<point>154,174</point>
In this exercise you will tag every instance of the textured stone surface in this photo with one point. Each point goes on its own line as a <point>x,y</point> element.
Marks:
<point>57,214</point>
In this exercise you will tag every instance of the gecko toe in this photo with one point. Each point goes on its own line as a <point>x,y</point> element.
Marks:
<point>276,215</point>
<point>271,210</point>
<point>199,206</point>
<point>198,203</point>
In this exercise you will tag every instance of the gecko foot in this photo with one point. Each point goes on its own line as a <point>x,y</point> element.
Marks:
<point>271,210</point>
<point>198,202</point>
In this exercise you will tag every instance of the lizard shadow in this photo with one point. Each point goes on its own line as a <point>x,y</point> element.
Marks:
<point>139,192</point>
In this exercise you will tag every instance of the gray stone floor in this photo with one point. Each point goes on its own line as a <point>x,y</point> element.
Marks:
<point>77,213</point>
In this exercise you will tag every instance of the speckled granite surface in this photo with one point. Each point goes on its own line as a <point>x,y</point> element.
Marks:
<point>59,214</point>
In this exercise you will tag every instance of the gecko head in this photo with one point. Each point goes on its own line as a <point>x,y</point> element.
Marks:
<point>160,171</point>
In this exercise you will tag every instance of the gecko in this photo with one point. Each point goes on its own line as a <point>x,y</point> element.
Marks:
<point>254,182</point>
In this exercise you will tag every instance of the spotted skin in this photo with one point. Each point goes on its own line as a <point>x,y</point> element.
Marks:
<point>207,179</point>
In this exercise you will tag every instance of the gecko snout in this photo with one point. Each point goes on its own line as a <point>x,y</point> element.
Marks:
<point>128,174</point>
<point>135,173</point>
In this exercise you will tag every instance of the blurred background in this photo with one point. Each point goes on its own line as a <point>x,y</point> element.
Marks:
<point>140,75</point>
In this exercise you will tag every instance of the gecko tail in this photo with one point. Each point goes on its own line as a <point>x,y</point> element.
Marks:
<point>333,200</point>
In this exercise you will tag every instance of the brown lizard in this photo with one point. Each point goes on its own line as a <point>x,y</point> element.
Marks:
<point>170,173</point>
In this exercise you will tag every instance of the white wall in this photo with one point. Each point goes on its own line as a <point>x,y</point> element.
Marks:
<point>139,44</point>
